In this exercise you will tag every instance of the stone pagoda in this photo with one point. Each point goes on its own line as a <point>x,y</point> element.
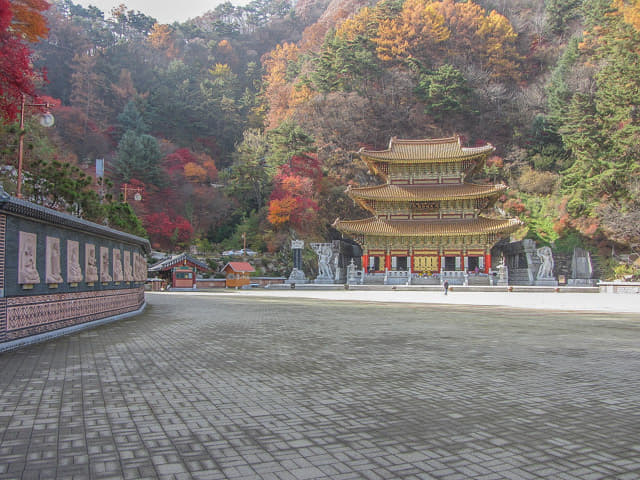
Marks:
<point>426,218</point>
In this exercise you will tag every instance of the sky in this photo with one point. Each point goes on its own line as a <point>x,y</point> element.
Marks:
<point>165,11</point>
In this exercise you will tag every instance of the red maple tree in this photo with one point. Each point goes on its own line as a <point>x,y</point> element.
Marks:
<point>21,21</point>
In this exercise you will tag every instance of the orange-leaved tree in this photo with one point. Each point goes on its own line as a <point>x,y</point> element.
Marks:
<point>28,22</point>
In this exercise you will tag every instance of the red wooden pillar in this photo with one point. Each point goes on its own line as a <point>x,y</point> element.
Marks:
<point>487,263</point>
<point>365,263</point>
<point>439,263</point>
<point>412,267</point>
<point>387,262</point>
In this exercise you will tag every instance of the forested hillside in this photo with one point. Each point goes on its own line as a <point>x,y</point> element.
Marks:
<point>245,120</point>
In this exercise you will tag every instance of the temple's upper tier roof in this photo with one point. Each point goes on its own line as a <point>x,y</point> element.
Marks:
<point>419,228</point>
<point>424,151</point>
<point>421,193</point>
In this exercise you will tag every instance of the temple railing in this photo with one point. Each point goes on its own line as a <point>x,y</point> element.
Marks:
<point>397,277</point>
<point>454,277</point>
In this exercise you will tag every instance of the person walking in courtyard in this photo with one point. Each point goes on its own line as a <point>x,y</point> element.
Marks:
<point>446,286</point>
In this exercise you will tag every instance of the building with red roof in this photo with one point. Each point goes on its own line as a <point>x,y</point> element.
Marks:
<point>238,273</point>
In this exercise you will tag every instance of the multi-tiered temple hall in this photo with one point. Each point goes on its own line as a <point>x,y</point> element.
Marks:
<point>426,218</point>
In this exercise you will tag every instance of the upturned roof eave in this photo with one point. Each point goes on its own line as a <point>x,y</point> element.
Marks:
<point>169,263</point>
<point>359,194</point>
<point>372,157</point>
<point>508,226</point>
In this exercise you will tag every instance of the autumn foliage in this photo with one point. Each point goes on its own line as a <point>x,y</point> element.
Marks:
<point>28,22</point>
<point>630,11</point>
<point>166,230</point>
<point>21,21</point>
<point>431,31</point>
<point>186,188</point>
<point>552,84</point>
<point>293,201</point>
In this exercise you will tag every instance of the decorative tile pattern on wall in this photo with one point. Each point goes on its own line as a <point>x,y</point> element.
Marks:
<point>69,308</point>
<point>3,319</point>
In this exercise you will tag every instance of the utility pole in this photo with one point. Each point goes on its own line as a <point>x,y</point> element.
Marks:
<point>46,121</point>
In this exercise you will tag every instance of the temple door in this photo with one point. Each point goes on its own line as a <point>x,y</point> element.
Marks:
<point>425,264</point>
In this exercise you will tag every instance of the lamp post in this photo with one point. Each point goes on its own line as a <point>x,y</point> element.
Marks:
<point>137,192</point>
<point>46,121</point>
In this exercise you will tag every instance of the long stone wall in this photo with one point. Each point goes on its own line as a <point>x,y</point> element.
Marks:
<point>58,271</point>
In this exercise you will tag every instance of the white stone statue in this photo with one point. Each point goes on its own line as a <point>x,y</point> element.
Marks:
<point>325,257</point>
<point>546,267</point>
<point>503,273</point>
<point>324,261</point>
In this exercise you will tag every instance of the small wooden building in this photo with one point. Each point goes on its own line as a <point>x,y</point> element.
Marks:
<point>238,273</point>
<point>180,270</point>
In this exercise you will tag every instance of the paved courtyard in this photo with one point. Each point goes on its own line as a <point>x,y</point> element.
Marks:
<point>234,386</point>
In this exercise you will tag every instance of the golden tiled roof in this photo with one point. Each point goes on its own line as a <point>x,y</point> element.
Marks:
<point>421,193</point>
<point>420,228</point>
<point>425,151</point>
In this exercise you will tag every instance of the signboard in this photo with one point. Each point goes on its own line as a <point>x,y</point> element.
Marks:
<point>297,244</point>
<point>99,167</point>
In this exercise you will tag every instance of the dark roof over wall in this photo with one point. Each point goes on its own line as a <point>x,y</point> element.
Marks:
<point>23,208</point>
<point>169,263</point>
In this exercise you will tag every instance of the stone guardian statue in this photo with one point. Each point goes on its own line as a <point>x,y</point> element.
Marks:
<point>546,267</point>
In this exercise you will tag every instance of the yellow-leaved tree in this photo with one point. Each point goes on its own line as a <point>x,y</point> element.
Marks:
<point>281,93</point>
<point>162,38</point>
<point>630,10</point>
<point>419,31</point>
<point>499,54</point>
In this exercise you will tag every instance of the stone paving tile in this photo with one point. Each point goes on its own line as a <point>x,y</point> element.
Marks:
<point>234,387</point>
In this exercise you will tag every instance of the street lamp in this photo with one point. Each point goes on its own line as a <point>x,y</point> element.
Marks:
<point>46,120</point>
<point>137,192</point>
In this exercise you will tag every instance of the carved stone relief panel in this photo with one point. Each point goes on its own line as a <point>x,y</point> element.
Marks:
<point>128,272</point>
<point>52,268</point>
<point>139,267</point>
<point>118,276</point>
<point>91,263</point>
<point>136,266</point>
<point>27,266</point>
<point>74,271</point>
<point>105,276</point>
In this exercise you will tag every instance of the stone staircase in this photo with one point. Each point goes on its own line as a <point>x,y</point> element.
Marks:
<point>519,276</point>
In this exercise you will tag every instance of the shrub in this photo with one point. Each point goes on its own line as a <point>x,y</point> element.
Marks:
<point>532,181</point>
